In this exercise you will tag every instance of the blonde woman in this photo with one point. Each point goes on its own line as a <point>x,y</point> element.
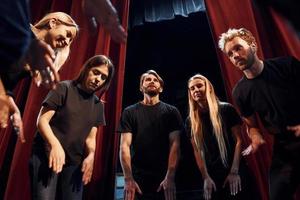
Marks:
<point>214,129</point>
<point>57,31</point>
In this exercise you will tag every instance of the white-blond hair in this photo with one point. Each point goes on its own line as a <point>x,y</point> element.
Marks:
<point>232,33</point>
<point>215,118</point>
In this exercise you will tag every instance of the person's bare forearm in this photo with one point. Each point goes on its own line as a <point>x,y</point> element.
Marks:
<point>200,160</point>
<point>90,142</point>
<point>125,160</point>
<point>45,129</point>
<point>254,132</point>
<point>236,131</point>
<point>2,89</point>
<point>173,155</point>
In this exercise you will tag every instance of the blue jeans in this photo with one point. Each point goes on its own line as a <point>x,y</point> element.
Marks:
<point>47,185</point>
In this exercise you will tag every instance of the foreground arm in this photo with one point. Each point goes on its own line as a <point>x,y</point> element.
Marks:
<point>17,119</point>
<point>39,59</point>
<point>209,185</point>
<point>254,134</point>
<point>5,107</point>
<point>105,13</point>
<point>130,185</point>
<point>168,184</point>
<point>233,179</point>
<point>88,162</point>
<point>57,154</point>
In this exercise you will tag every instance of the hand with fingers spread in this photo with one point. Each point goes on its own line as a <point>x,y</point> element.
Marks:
<point>295,129</point>
<point>130,188</point>
<point>234,181</point>
<point>56,158</point>
<point>87,168</point>
<point>104,12</point>
<point>208,188</point>
<point>40,61</point>
<point>168,185</point>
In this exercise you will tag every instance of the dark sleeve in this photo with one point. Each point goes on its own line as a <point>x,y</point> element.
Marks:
<point>231,116</point>
<point>188,128</point>
<point>56,97</point>
<point>15,33</point>
<point>175,121</point>
<point>295,64</point>
<point>100,115</point>
<point>242,102</point>
<point>126,122</point>
<point>11,79</point>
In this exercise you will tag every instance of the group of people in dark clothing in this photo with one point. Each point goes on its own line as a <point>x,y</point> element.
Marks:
<point>64,146</point>
<point>150,129</point>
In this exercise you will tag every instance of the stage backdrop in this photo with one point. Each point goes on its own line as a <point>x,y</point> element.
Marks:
<point>274,37</point>
<point>84,46</point>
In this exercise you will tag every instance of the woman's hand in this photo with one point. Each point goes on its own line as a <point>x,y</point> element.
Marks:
<point>234,181</point>
<point>209,187</point>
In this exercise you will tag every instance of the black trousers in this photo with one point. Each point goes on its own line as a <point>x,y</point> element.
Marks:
<point>47,185</point>
<point>285,169</point>
<point>149,185</point>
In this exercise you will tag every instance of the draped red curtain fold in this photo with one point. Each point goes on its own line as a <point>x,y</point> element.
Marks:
<point>274,37</point>
<point>85,45</point>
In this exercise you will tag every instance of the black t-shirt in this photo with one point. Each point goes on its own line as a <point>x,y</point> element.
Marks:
<point>230,118</point>
<point>274,94</point>
<point>150,127</point>
<point>76,112</point>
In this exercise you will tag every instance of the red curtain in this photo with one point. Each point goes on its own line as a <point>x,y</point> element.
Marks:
<point>84,46</point>
<point>274,38</point>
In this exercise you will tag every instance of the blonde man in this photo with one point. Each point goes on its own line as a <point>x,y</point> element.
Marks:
<point>269,88</point>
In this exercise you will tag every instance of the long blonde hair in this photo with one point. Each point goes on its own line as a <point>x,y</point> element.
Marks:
<point>215,118</point>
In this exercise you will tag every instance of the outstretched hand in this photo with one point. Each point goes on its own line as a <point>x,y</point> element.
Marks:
<point>169,188</point>
<point>104,13</point>
<point>209,187</point>
<point>234,182</point>
<point>130,188</point>
<point>18,125</point>
<point>57,158</point>
<point>295,129</point>
<point>87,169</point>
<point>40,59</point>
<point>256,141</point>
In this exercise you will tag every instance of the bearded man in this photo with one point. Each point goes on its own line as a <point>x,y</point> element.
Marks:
<point>150,139</point>
<point>268,88</point>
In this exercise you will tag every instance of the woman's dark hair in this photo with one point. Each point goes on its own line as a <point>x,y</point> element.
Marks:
<point>93,62</point>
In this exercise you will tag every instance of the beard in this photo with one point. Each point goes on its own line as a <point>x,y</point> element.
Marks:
<point>151,92</point>
<point>247,62</point>
<point>250,59</point>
